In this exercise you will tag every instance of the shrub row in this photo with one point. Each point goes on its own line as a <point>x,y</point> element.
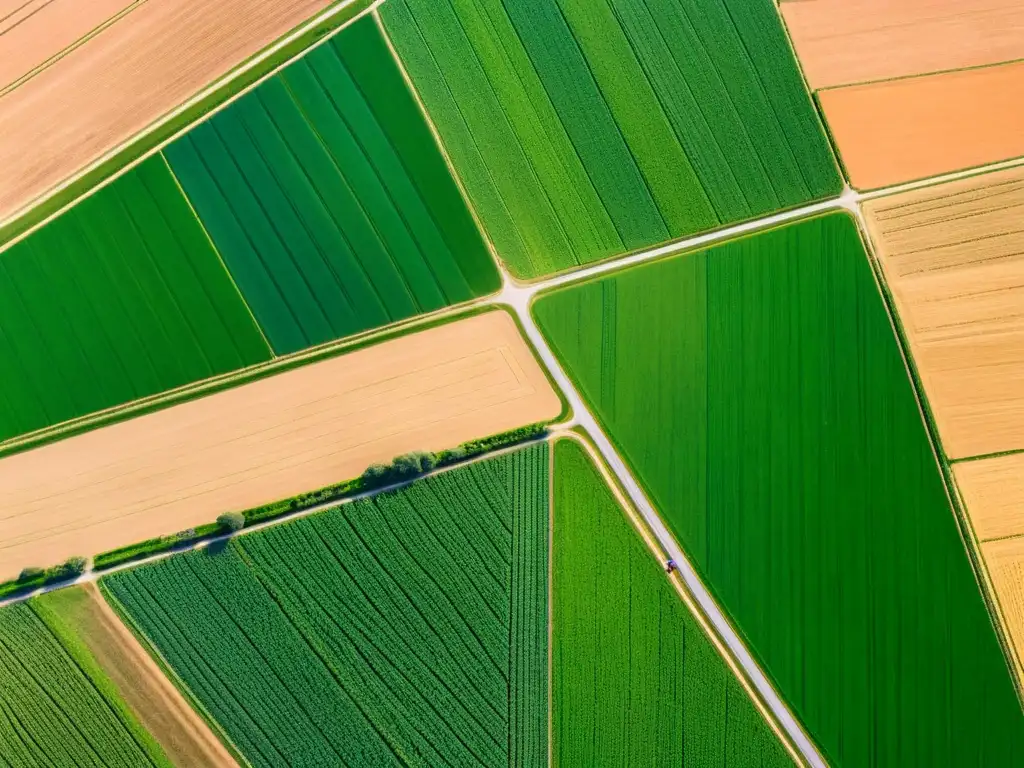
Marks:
<point>33,578</point>
<point>403,468</point>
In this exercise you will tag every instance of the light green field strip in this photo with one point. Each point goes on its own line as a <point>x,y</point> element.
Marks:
<point>583,130</point>
<point>120,298</point>
<point>758,393</point>
<point>635,679</point>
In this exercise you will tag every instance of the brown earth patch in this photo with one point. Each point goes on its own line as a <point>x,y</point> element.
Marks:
<point>160,707</point>
<point>138,69</point>
<point>903,130</point>
<point>993,492</point>
<point>31,33</point>
<point>268,440</point>
<point>953,257</point>
<point>841,42</point>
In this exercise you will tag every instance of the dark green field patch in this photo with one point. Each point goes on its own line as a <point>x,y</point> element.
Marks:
<point>330,202</point>
<point>758,391</point>
<point>635,681</point>
<point>586,128</point>
<point>119,298</point>
<point>409,628</point>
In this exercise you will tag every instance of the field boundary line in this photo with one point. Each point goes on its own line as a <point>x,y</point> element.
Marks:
<point>944,178</point>
<point>91,574</point>
<point>220,256</point>
<point>519,299</point>
<point>222,82</point>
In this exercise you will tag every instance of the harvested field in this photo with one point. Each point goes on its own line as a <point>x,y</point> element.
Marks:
<point>329,199</point>
<point>953,256</point>
<point>58,706</point>
<point>582,130</point>
<point>138,69</point>
<point>993,492</point>
<point>842,42</point>
<point>635,681</point>
<point>1005,561</point>
<point>268,440</point>
<point>33,32</point>
<point>119,298</point>
<point>152,698</point>
<point>406,629</point>
<point>758,392</point>
<point>903,130</point>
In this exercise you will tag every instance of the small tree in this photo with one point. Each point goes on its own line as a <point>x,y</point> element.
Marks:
<point>31,573</point>
<point>376,473</point>
<point>232,521</point>
<point>74,567</point>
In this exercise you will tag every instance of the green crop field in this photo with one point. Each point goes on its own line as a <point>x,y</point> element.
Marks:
<point>57,708</point>
<point>585,129</point>
<point>329,200</point>
<point>119,298</point>
<point>635,681</point>
<point>758,391</point>
<point>405,629</point>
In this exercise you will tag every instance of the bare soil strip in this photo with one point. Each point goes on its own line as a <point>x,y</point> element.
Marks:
<point>953,257</point>
<point>41,29</point>
<point>163,711</point>
<point>841,42</point>
<point>993,491</point>
<point>267,440</point>
<point>138,69</point>
<point>903,130</point>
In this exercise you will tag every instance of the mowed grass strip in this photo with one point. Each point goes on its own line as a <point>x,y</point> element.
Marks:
<point>635,681</point>
<point>758,392</point>
<point>119,298</point>
<point>327,196</point>
<point>56,705</point>
<point>585,129</point>
<point>405,629</point>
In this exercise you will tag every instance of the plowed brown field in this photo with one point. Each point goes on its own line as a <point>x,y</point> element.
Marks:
<point>953,256</point>
<point>268,440</point>
<point>126,77</point>
<point>841,42</point>
<point>159,706</point>
<point>33,32</point>
<point>902,130</point>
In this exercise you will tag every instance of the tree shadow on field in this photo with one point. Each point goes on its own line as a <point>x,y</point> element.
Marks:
<point>218,547</point>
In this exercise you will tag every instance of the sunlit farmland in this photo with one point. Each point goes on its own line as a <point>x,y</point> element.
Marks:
<point>329,201</point>
<point>582,129</point>
<point>758,392</point>
<point>406,629</point>
<point>635,681</point>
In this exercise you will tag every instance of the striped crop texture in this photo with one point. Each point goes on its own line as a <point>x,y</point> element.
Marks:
<point>758,391</point>
<point>585,128</point>
<point>635,681</point>
<point>119,298</point>
<point>406,629</point>
<point>56,707</point>
<point>329,200</point>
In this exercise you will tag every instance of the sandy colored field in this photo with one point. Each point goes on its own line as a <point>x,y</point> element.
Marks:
<point>840,42</point>
<point>33,32</point>
<point>903,130</point>
<point>138,69</point>
<point>953,256</point>
<point>162,710</point>
<point>267,440</point>
<point>993,491</point>
<point>1005,561</point>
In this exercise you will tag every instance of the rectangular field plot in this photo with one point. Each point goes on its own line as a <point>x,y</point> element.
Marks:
<point>119,298</point>
<point>758,391</point>
<point>953,256</point>
<point>267,440</point>
<point>329,200</point>
<point>59,708</point>
<point>405,629</point>
<point>635,681</point>
<point>585,129</point>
